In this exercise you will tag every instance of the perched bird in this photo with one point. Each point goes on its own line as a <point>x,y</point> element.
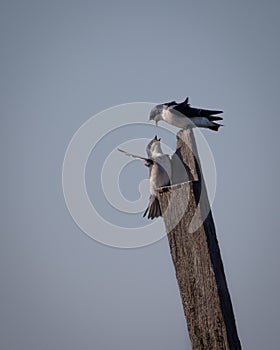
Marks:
<point>159,165</point>
<point>184,116</point>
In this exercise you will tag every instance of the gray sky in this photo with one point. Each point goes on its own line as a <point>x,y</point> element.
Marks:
<point>64,61</point>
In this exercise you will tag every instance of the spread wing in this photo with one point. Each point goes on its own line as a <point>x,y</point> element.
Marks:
<point>148,161</point>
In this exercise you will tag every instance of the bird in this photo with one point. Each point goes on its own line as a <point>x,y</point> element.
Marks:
<point>159,165</point>
<point>184,116</point>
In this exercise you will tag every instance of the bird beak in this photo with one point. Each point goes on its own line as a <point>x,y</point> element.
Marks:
<point>156,139</point>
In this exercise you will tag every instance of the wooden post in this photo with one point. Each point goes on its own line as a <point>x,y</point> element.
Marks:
<point>196,255</point>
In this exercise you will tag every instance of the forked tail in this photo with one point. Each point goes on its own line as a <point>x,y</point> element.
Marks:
<point>153,209</point>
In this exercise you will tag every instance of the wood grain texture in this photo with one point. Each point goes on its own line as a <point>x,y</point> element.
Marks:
<point>196,255</point>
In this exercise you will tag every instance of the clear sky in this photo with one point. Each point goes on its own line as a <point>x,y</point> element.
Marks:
<point>64,61</point>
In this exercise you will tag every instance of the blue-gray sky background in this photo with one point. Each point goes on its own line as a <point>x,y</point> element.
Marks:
<point>64,61</point>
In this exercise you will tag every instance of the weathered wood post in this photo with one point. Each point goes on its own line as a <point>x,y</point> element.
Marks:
<point>195,253</point>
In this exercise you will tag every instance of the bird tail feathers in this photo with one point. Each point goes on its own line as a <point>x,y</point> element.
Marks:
<point>153,209</point>
<point>214,127</point>
<point>212,118</point>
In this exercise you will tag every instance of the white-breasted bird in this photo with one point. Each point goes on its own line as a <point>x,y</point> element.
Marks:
<point>184,116</point>
<point>159,165</point>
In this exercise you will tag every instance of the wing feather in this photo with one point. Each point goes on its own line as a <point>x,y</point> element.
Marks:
<point>147,161</point>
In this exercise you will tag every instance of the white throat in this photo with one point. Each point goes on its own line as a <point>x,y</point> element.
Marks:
<point>156,150</point>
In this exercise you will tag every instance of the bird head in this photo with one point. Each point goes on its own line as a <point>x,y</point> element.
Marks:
<point>153,147</point>
<point>156,113</point>
<point>156,139</point>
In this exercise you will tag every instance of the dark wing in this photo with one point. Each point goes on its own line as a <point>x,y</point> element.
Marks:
<point>174,103</point>
<point>169,104</point>
<point>190,112</point>
<point>148,162</point>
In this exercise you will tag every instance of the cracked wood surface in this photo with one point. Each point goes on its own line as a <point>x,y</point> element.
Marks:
<point>195,253</point>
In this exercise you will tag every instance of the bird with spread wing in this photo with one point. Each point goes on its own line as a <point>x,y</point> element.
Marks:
<point>159,165</point>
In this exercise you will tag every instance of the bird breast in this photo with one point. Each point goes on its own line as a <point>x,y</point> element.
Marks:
<point>175,118</point>
<point>160,173</point>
